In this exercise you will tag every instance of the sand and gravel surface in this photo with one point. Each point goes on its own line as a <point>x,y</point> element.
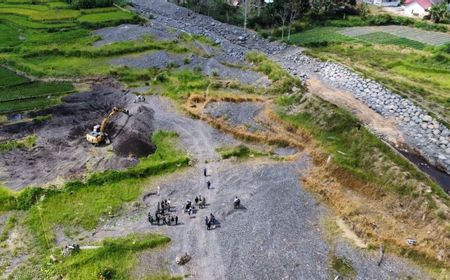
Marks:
<point>129,32</point>
<point>239,114</point>
<point>277,234</point>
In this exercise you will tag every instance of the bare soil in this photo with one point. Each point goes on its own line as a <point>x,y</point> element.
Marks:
<point>62,152</point>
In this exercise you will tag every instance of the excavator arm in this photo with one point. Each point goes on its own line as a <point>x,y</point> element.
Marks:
<point>100,136</point>
<point>106,120</point>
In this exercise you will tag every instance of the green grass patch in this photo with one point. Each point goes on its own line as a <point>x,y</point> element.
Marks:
<point>115,259</point>
<point>343,266</point>
<point>95,19</point>
<point>35,90</point>
<point>282,81</point>
<point>32,96</point>
<point>82,204</point>
<point>7,199</point>
<point>180,83</point>
<point>240,151</point>
<point>9,78</point>
<point>23,22</point>
<point>319,36</point>
<point>388,39</point>
<point>25,143</point>
<point>58,5</point>
<point>10,223</point>
<point>9,37</point>
<point>40,14</point>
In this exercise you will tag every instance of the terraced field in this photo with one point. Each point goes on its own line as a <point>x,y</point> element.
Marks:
<point>19,94</point>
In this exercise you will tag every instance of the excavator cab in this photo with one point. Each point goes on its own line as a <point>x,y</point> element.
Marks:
<point>98,135</point>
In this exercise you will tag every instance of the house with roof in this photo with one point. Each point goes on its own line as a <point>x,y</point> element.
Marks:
<point>384,3</point>
<point>418,7</point>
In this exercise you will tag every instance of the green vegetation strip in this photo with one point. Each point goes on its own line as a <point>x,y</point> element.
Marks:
<point>114,259</point>
<point>25,143</point>
<point>353,147</point>
<point>34,90</point>
<point>240,151</point>
<point>388,39</point>
<point>282,81</point>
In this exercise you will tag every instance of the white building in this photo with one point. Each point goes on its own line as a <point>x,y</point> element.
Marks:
<point>418,7</point>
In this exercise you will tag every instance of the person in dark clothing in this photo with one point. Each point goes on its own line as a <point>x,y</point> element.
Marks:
<point>212,219</point>
<point>206,220</point>
<point>176,220</point>
<point>208,184</point>
<point>157,220</point>
<point>196,200</point>
<point>150,218</point>
<point>208,225</point>
<point>204,172</point>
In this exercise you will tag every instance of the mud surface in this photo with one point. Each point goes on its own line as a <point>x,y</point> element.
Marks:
<point>62,151</point>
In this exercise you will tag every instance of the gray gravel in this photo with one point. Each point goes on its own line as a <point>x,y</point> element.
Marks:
<point>238,114</point>
<point>208,66</point>
<point>277,234</point>
<point>156,59</point>
<point>129,32</point>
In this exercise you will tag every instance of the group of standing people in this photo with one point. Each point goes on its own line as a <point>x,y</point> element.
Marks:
<point>163,215</point>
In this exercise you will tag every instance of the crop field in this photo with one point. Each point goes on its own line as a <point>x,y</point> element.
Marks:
<point>388,39</point>
<point>18,94</point>
<point>52,39</point>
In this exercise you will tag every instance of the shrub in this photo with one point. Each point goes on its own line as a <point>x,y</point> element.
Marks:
<point>30,196</point>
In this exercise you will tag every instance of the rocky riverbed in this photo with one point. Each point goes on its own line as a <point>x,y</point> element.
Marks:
<point>424,134</point>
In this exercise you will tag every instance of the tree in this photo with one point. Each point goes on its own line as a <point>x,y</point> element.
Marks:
<point>439,12</point>
<point>282,11</point>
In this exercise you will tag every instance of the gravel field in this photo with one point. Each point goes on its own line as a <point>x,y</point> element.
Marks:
<point>156,59</point>
<point>209,66</point>
<point>129,32</point>
<point>276,235</point>
<point>239,114</point>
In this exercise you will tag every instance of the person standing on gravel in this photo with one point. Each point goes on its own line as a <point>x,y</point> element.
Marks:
<point>208,184</point>
<point>176,220</point>
<point>204,172</point>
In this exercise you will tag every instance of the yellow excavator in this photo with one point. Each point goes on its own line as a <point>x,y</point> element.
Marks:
<point>98,135</point>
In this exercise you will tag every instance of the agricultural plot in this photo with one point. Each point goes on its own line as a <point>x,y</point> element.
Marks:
<point>18,94</point>
<point>59,40</point>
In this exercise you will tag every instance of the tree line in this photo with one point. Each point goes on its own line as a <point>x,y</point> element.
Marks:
<point>271,13</point>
